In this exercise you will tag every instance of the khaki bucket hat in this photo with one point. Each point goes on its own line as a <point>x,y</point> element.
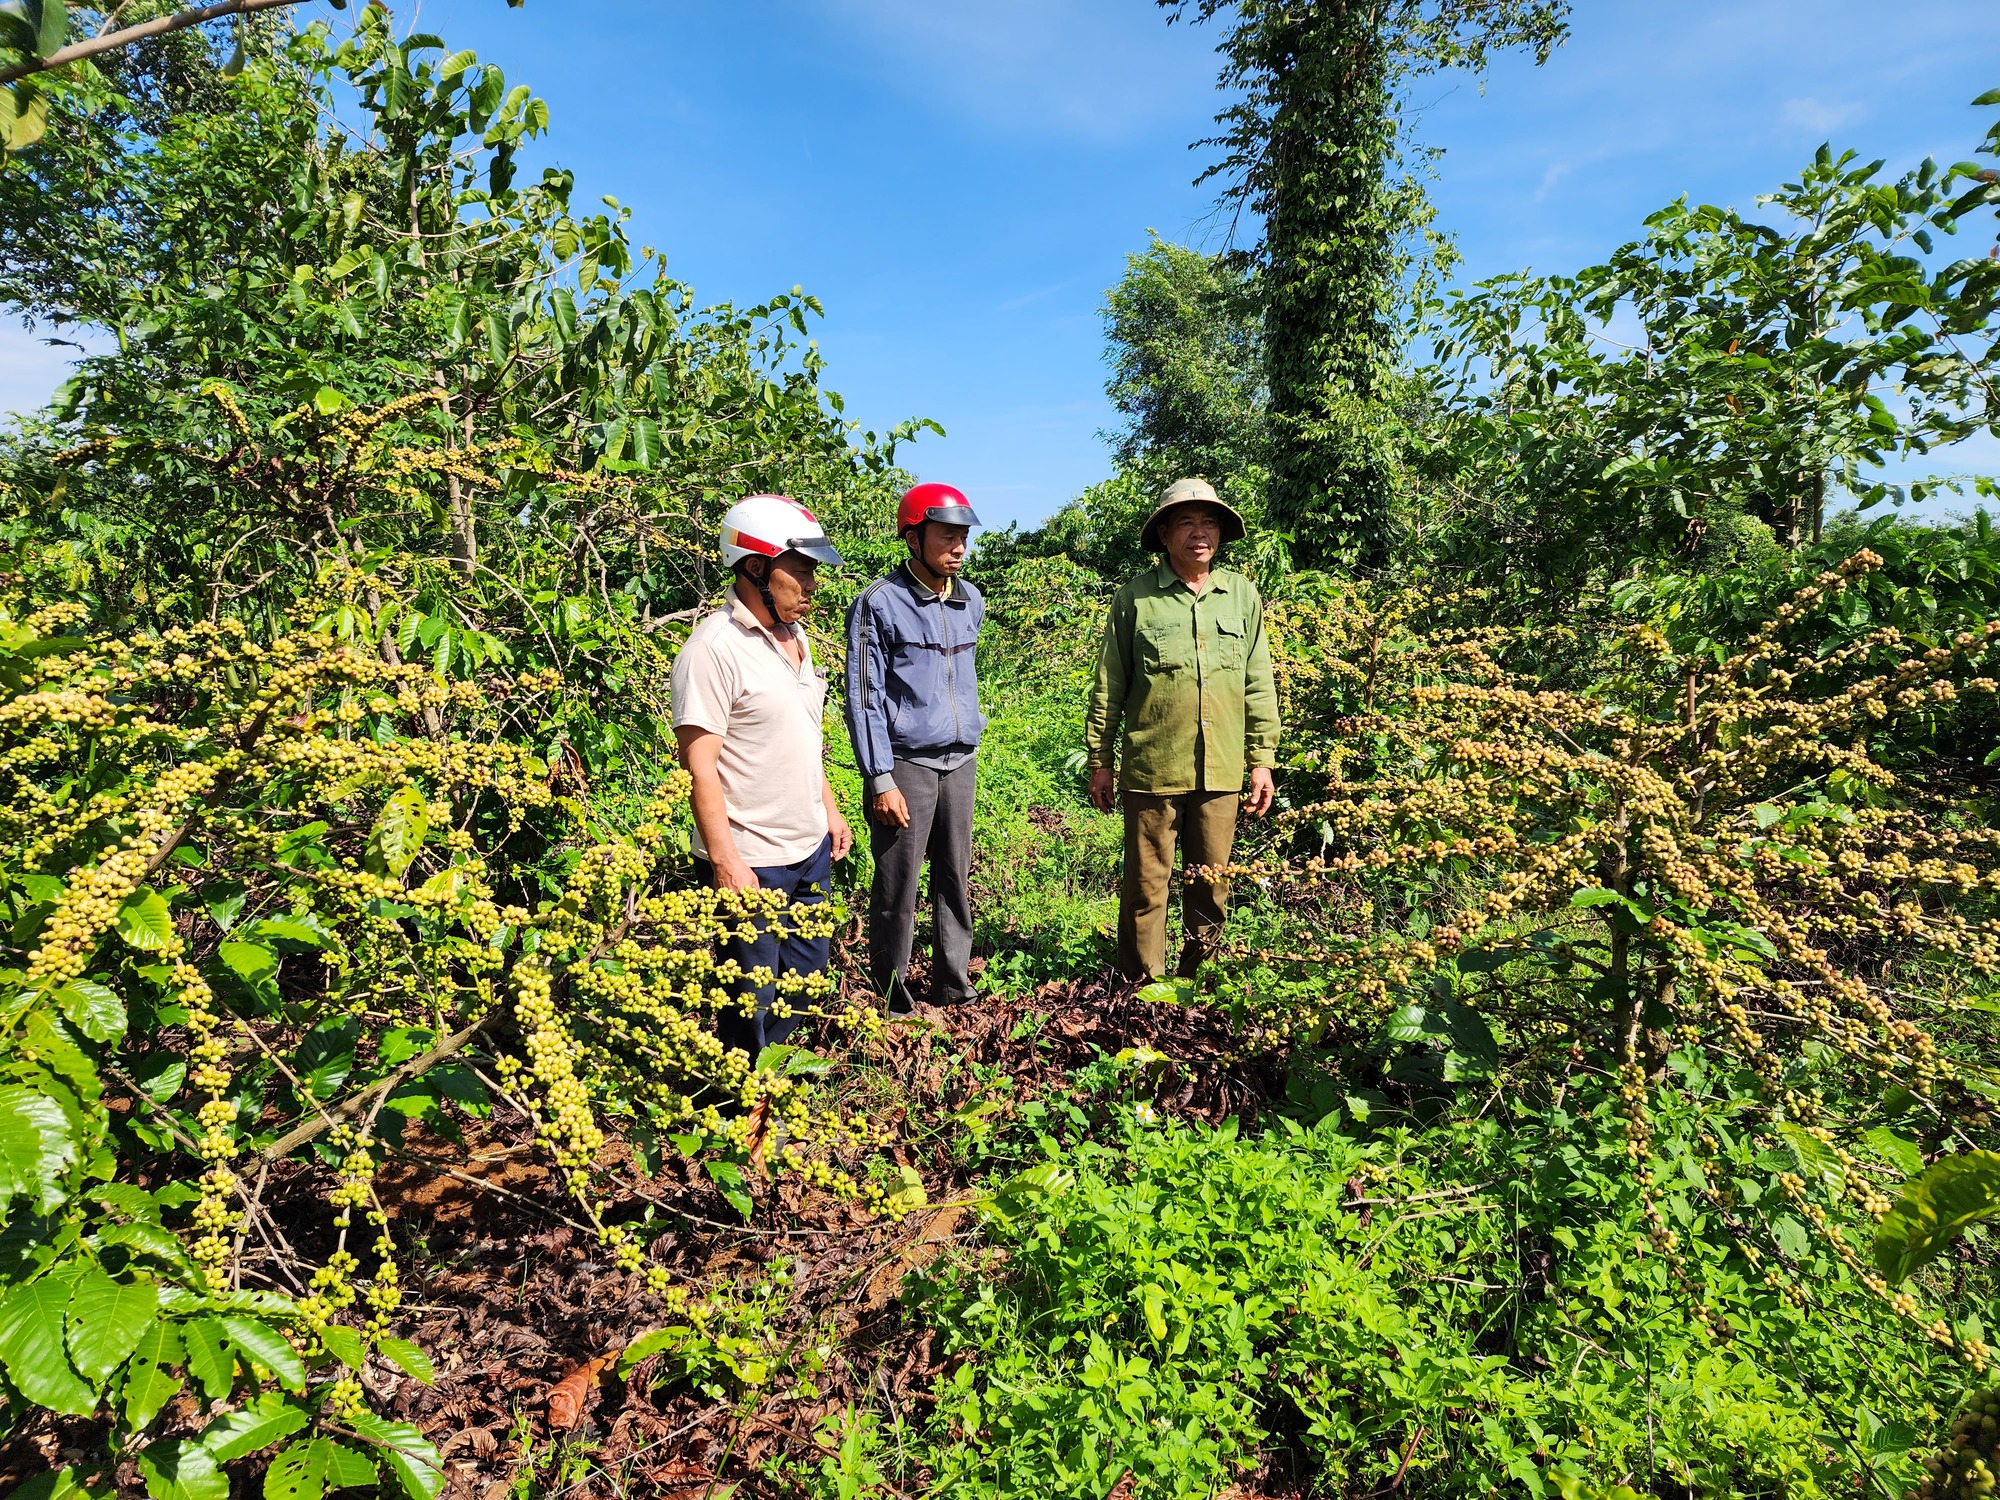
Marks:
<point>1189,492</point>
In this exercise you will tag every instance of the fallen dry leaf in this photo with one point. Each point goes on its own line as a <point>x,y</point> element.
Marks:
<point>566,1396</point>
<point>915,1256</point>
<point>759,1138</point>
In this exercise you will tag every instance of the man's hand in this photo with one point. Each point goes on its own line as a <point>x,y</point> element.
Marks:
<point>731,874</point>
<point>889,809</point>
<point>836,825</point>
<point>1262,790</point>
<point>1103,788</point>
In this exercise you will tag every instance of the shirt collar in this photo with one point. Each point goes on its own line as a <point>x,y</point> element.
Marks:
<point>1217,579</point>
<point>741,613</point>
<point>923,589</point>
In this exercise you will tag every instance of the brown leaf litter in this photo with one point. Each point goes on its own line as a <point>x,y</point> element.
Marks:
<point>524,1315</point>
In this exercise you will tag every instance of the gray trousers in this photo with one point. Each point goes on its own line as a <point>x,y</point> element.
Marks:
<point>941,831</point>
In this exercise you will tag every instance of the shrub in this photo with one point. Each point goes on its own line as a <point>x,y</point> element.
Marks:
<point>1458,1312</point>
<point>1701,852</point>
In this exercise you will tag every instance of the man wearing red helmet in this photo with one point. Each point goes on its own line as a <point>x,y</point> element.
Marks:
<point>913,713</point>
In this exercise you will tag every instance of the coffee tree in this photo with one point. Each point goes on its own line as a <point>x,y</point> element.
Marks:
<point>280,897</point>
<point>1700,861</point>
<point>266,920</point>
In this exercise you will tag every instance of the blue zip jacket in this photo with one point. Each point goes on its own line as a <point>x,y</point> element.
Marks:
<point>912,689</point>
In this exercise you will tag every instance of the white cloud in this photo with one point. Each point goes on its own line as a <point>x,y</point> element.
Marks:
<point>1819,118</point>
<point>1550,179</point>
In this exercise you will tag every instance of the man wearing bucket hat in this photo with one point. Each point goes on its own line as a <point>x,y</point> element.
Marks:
<point>913,715</point>
<point>1183,708</point>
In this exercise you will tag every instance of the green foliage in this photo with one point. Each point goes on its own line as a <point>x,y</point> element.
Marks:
<point>192,818</point>
<point>1932,584</point>
<point>1935,1209</point>
<point>1469,1307</point>
<point>1046,861</point>
<point>398,832</point>
<point>556,424</point>
<point>1186,345</point>
<point>1632,964</point>
<point>441,454</point>
<point>1098,531</point>
<point>1759,381</point>
<point>29,31</point>
<point>1678,1292</point>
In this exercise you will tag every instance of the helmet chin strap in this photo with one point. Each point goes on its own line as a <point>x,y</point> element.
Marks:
<point>763,586</point>
<point>924,568</point>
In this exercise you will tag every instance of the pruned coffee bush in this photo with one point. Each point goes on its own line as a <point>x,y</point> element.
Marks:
<point>272,907</point>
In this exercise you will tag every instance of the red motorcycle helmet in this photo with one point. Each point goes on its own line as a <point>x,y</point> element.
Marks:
<point>934,502</point>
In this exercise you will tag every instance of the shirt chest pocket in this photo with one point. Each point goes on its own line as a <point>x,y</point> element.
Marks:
<point>1165,646</point>
<point>912,665</point>
<point>1228,644</point>
<point>917,640</point>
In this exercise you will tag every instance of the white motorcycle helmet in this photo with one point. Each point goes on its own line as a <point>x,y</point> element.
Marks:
<point>767,525</point>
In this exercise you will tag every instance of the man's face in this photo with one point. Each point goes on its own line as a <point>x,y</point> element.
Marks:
<point>794,580</point>
<point>940,548</point>
<point>1192,533</point>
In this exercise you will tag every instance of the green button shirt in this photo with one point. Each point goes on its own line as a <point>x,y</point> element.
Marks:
<point>1189,678</point>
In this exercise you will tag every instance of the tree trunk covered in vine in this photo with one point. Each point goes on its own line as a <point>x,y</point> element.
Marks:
<point>1313,145</point>
<point>1330,269</point>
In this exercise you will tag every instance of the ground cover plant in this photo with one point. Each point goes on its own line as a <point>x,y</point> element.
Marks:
<point>1594,1094</point>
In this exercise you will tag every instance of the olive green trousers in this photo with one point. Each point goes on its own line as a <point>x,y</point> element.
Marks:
<point>1203,824</point>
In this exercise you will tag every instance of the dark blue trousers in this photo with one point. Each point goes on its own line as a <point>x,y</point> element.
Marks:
<point>806,884</point>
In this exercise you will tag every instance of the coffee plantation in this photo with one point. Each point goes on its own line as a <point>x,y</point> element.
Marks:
<point>1593,1092</point>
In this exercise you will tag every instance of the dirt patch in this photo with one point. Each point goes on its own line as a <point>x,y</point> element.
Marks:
<point>1212,1071</point>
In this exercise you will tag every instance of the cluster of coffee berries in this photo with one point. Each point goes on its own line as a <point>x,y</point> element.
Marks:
<point>1964,1468</point>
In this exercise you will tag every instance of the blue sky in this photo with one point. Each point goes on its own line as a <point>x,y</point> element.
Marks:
<point>959,181</point>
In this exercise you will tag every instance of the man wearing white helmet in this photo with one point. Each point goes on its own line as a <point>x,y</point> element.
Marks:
<point>747,709</point>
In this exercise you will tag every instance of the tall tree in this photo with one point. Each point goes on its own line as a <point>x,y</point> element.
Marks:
<point>1186,347</point>
<point>1314,147</point>
<point>348,338</point>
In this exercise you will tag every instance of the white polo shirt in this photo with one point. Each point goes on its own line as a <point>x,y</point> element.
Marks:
<point>734,679</point>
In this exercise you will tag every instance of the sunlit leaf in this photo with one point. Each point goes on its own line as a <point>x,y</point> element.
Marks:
<point>145,922</point>
<point>399,832</point>
<point>182,1470</point>
<point>1935,1209</point>
<point>35,1351</point>
<point>251,1427</point>
<point>35,1147</point>
<point>106,1320</point>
